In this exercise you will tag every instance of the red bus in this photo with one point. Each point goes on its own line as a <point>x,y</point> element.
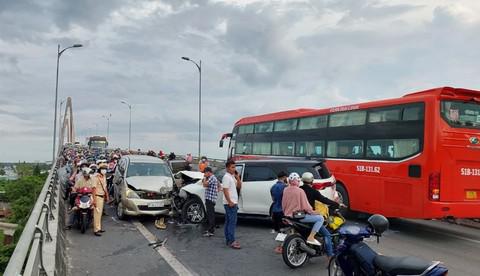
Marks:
<point>417,156</point>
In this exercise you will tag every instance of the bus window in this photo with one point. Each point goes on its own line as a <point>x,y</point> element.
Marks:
<point>351,118</point>
<point>243,148</point>
<point>310,148</point>
<point>461,114</point>
<point>283,148</point>
<point>345,149</point>
<point>386,115</point>
<point>262,148</point>
<point>413,113</point>
<point>392,148</point>
<point>245,129</point>
<point>264,127</point>
<point>286,125</point>
<point>312,122</point>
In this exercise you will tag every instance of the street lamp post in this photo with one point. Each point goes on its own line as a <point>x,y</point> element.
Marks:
<point>129,124</point>
<point>108,123</point>
<point>199,67</point>
<point>60,125</point>
<point>59,53</point>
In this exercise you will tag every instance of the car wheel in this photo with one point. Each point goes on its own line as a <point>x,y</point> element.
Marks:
<point>121,211</point>
<point>193,211</point>
<point>343,198</point>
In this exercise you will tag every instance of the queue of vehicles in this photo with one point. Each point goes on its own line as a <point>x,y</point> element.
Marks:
<point>414,157</point>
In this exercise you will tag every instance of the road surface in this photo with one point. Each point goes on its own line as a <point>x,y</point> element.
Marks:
<point>124,250</point>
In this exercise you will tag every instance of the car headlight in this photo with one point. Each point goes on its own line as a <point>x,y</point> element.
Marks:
<point>132,194</point>
<point>163,190</point>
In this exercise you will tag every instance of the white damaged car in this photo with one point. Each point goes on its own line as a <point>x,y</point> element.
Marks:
<point>257,176</point>
<point>143,185</point>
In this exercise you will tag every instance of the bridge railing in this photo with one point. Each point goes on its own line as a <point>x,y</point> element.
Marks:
<point>35,252</point>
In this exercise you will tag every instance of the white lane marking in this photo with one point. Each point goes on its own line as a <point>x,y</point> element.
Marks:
<point>176,265</point>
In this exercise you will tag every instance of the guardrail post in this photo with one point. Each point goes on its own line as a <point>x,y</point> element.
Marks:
<point>42,267</point>
<point>49,213</point>
<point>51,200</point>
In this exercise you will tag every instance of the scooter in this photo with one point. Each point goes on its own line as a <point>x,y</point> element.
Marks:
<point>354,257</point>
<point>83,208</point>
<point>295,250</point>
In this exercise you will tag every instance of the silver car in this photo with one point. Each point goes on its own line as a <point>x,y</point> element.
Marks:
<point>143,186</point>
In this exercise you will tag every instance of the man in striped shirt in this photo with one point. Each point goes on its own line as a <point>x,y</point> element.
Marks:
<point>212,186</point>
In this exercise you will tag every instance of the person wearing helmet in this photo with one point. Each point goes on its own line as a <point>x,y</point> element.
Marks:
<point>85,181</point>
<point>294,199</point>
<point>100,194</point>
<point>83,165</point>
<point>312,196</point>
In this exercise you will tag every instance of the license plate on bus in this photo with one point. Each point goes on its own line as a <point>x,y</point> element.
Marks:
<point>471,194</point>
<point>155,204</point>
<point>280,237</point>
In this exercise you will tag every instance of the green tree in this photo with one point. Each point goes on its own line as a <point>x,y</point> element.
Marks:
<point>2,171</point>
<point>36,170</point>
<point>24,169</point>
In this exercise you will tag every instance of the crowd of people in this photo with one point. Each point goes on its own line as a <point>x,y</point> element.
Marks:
<point>88,170</point>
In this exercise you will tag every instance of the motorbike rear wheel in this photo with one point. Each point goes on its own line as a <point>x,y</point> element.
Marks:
<point>292,255</point>
<point>334,269</point>
<point>83,223</point>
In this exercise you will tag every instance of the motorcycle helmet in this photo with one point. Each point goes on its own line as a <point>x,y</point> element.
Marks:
<point>86,171</point>
<point>307,177</point>
<point>378,223</point>
<point>294,177</point>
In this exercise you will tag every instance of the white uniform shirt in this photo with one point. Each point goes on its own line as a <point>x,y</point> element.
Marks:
<point>229,182</point>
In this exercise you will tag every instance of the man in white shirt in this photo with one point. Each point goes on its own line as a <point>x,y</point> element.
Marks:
<point>230,183</point>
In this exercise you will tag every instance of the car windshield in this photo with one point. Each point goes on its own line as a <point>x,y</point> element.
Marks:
<point>461,114</point>
<point>148,169</point>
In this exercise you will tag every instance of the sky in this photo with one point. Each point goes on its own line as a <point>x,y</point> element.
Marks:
<point>257,57</point>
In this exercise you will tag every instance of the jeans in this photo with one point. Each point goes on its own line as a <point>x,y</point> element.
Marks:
<point>318,227</point>
<point>210,206</point>
<point>277,220</point>
<point>230,223</point>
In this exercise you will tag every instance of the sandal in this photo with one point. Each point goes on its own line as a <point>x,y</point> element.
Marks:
<point>235,245</point>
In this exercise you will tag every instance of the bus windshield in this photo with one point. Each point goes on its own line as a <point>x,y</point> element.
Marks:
<point>461,114</point>
<point>98,144</point>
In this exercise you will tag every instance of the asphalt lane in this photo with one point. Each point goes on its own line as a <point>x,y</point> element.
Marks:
<point>210,256</point>
<point>457,246</point>
<point>121,250</point>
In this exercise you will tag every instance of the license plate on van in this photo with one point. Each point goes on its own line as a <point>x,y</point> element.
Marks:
<point>155,204</point>
<point>471,194</point>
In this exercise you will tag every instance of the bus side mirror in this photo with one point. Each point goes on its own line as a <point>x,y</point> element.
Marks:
<point>221,144</point>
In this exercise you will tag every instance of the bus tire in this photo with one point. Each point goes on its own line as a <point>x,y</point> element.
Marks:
<point>343,195</point>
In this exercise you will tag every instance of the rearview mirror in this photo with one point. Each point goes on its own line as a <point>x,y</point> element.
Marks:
<point>221,143</point>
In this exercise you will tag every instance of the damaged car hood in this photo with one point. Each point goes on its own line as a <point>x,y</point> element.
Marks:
<point>150,183</point>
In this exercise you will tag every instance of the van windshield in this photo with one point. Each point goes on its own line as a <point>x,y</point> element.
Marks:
<point>461,114</point>
<point>148,169</point>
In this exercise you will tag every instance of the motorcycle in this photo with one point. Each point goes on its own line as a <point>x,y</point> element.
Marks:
<point>295,250</point>
<point>83,208</point>
<point>354,257</point>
